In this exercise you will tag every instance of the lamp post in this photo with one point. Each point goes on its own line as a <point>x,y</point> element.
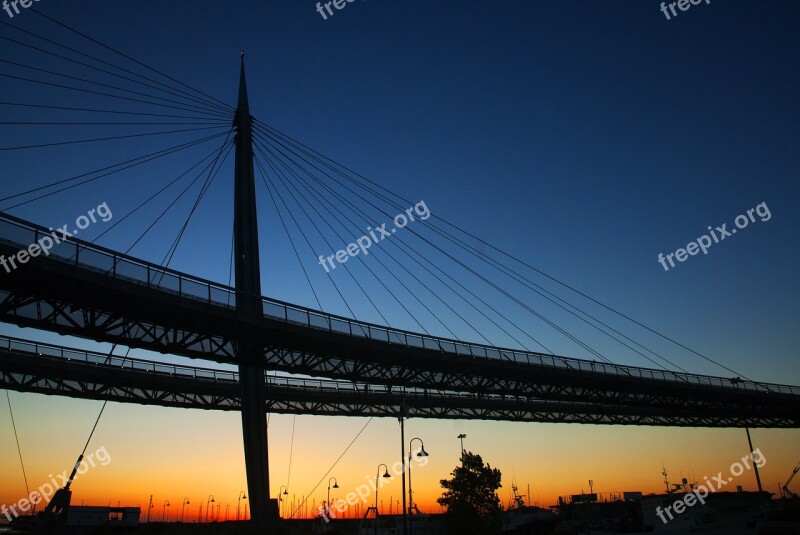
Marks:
<point>285,493</point>
<point>462,436</point>
<point>403,411</point>
<point>208,501</point>
<point>239,502</point>
<point>164,511</point>
<point>149,508</point>
<point>183,507</point>
<point>385,474</point>
<point>420,453</point>
<point>336,486</point>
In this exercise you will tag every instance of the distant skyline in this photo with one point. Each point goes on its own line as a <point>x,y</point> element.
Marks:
<point>591,140</point>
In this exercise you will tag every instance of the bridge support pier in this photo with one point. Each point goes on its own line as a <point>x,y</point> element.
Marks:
<point>248,308</point>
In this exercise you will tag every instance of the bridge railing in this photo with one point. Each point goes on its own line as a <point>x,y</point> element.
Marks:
<point>129,364</point>
<point>20,233</point>
<point>114,361</point>
<point>298,315</point>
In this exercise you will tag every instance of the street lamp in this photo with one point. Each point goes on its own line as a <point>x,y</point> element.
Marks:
<point>149,508</point>
<point>183,507</point>
<point>420,453</point>
<point>462,436</point>
<point>239,502</point>
<point>285,493</point>
<point>164,511</point>
<point>336,486</point>
<point>385,474</point>
<point>401,419</point>
<point>208,501</point>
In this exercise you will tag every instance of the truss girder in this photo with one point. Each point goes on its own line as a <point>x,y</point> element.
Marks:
<point>74,300</point>
<point>26,372</point>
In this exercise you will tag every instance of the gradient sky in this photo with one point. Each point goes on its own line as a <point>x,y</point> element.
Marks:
<point>583,137</point>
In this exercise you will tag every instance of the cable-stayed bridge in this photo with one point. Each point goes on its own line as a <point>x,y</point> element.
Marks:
<point>29,366</point>
<point>330,364</point>
<point>87,291</point>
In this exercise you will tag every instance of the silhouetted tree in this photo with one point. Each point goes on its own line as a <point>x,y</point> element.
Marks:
<point>470,497</point>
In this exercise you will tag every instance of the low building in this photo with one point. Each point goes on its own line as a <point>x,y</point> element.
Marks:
<point>93,516</point>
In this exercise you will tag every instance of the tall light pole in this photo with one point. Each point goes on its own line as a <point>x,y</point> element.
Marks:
<point>183,507</point>
<point>336,486</point>
<point>164,511</point>
<point>280,499</point>
<point>208,501</point>
<point>403,411</point>
<point>385,474</point>
<point>149,508</point>
<point>462,436</point>
<point>239,502</point>
<point>420,453</point>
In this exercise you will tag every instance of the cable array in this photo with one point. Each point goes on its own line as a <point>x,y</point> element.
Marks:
<point>336,204</point>
<point>434,277</point>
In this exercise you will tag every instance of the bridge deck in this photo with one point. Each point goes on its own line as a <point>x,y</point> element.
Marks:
<point>49,369</point>
<point>89,291</point>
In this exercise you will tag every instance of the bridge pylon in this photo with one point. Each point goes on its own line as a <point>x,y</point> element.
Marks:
<point>249,309</point>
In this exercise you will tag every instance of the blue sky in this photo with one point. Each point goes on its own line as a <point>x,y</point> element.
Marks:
<point>582,137</point>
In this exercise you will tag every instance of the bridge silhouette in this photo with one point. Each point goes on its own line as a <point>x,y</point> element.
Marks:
<point>88,291</point>
<point>30,366</point>
<point>356,368</point>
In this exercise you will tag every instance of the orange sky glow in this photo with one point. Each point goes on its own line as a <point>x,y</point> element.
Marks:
<point>177,454</point>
